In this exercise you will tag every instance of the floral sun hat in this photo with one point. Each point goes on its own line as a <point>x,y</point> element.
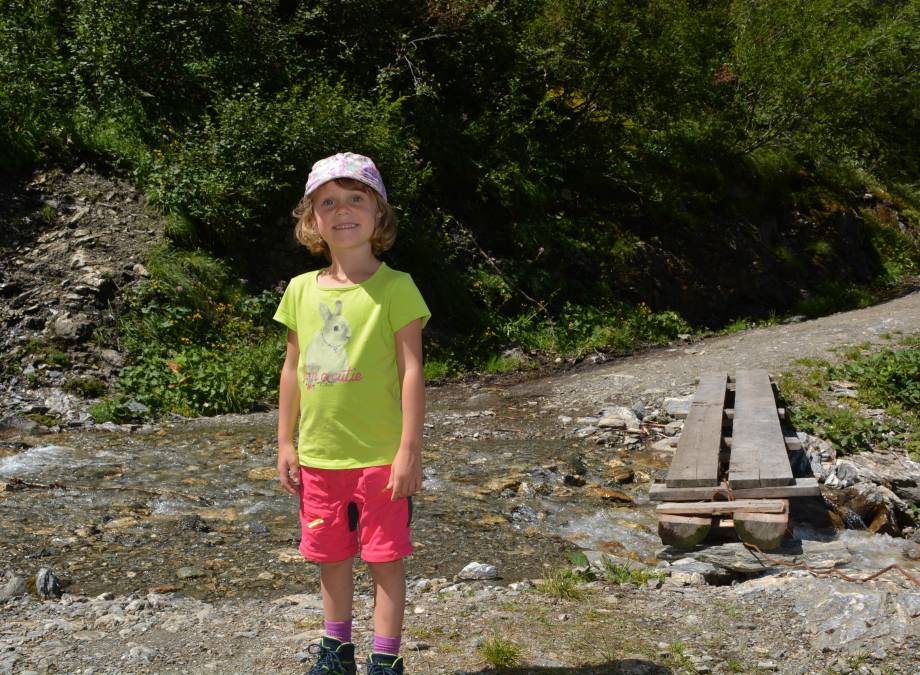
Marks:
<point>345,165</point>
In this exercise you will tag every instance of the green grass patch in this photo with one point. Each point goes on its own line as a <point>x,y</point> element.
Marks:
<point>886,379</point>
<point>500,652</point>
<point>563,584</point>
<point>624,574</point>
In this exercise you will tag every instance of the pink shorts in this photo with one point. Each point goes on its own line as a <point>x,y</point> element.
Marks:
<point>340,507</point>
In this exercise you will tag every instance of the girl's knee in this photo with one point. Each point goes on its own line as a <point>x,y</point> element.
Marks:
<point>387,570</point>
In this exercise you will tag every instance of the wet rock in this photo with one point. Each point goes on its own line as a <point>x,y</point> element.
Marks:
<point>478,571</point>
<point>618,472</point>
<point>47,585</point>
<point>673,428</point>
<point>665,445</point>
<point>263,473</point>
<point>257,529</point>
<point>875,505</point>
<point>611,494</point>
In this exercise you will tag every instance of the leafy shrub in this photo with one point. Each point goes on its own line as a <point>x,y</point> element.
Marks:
<point>890,376</point>
<point>887,379</point>
<point>199,381</point>
<point>198,343</point>
<point>235,172</point>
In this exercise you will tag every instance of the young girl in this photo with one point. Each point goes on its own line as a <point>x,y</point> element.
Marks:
<point>353,377</point>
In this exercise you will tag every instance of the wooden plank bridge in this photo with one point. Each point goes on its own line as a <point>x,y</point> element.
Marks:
<point>731,460</point>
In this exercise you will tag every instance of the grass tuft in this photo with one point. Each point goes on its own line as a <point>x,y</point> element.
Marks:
<point>499,652</point>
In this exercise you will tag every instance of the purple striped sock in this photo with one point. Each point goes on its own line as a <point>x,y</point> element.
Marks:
<point>387,645</point>
<point>340,630</point>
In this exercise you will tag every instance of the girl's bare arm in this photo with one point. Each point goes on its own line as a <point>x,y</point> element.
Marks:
<point>406,474</point>
<point>288,416</point>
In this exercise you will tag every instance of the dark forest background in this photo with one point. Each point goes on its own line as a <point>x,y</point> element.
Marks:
<point>570,176</point>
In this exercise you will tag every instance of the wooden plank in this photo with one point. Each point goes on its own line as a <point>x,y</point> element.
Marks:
<point>791,440</point>
<point>719,508</point>
<point>758,457</point>
<point>801,487</point>
<point>696,459</point>
<point>730,413</point>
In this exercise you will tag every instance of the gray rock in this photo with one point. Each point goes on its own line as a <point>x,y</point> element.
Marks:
<point>14,587</point>
<point>619,417</point>
<point>713,574</point>
<point>71,328</point>
<point>47,585</point>
<point>677,407</point>
<point>137,407</point>
<point>734,556</point>
<point>847,618</point>
<point>478,570</point>
<point>112,357</point>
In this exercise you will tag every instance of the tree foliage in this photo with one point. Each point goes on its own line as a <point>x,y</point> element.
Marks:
<point>541,153</point>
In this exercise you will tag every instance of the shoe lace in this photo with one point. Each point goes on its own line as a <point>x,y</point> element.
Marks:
<point>381,669</point>
<point>329,661</point>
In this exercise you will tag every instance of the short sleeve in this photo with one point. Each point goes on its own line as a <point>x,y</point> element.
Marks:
<point>286,313</point>
<point>407,304</point>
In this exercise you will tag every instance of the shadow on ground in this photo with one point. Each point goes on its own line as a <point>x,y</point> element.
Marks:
<point>620,667</point>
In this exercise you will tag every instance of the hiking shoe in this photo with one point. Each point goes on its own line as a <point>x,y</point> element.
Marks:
<point>333,657</point>
<point>384,664</point>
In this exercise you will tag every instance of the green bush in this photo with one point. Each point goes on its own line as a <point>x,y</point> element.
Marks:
<point>199,381</point>
<point>198,341</point>
<point>237,174</point>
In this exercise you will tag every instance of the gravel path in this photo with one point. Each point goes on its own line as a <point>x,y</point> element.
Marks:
<point>675,370</point>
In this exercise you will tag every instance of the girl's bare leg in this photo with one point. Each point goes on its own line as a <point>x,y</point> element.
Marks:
<point>390,597</point>
<point>336,581</point>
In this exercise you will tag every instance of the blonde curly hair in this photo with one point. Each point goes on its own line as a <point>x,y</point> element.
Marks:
<point>307,234</point>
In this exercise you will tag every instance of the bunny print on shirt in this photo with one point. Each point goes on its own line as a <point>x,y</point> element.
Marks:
<point>326,360</point>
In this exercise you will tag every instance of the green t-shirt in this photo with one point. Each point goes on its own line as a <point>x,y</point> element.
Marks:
<point>350,412</point>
